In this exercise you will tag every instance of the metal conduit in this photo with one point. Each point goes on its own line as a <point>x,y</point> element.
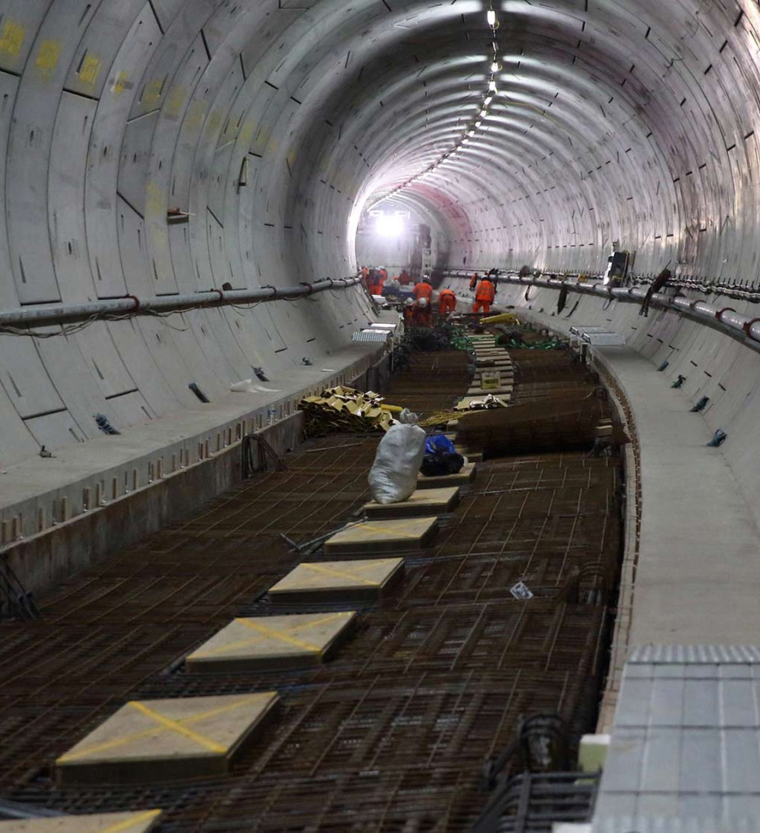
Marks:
<point>132,305</point>
<point>722,317</point>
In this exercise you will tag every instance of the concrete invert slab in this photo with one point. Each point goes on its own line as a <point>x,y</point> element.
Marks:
<point>159,740</point>
<point>383,536</point>
<point>339,580</point>
<point>140,821</point>
<point>464,475</point>
<point>273,642</point>
<point>422,503</point>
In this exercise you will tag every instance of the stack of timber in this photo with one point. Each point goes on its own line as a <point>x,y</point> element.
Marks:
<point>346,410</point>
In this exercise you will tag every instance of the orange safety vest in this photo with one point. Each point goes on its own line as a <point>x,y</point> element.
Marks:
<point>486,291</point>
<point>423,290</point>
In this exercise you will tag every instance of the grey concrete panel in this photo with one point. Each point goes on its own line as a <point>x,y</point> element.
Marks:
<point>134,162</point>
<point>101,204</point>
<point>16,441</point>
<point>167,10</point>
<point>148,374</point>
<point>68,163</point>
<point>20,22</point>
<point>25,378</point>
<point>105,364</point>
<point>90,68</point>
<point>8,87</point>
<point>30,147</point>
<point>55,430</point>
<point>133,249</point>
<point>130,409</point>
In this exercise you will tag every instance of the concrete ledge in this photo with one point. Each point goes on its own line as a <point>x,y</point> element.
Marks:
<point>61,515</point>
<point>697,578</point>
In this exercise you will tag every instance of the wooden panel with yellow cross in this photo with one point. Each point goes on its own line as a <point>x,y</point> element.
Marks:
<point>420,504</point>
<point>375,537</point>
<point>159,740</point>
<point>336,581</point>
<point>273,642</point>
<point>140,821</point>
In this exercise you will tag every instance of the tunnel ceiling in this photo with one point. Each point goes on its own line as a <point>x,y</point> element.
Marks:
<point>628,121</point>
<point>270,126</point>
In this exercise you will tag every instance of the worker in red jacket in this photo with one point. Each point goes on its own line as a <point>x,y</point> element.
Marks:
<point>447,302</point>
<point>473,281</point>
<point>484,296</point>
<point>423,289</point>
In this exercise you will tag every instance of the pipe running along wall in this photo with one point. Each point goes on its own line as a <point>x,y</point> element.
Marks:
<point>744,327</point>
<point>170,147</point>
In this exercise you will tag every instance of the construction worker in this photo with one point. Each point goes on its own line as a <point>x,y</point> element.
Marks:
<point>447,302</point>
<point>383,273</point>
<point>423,313</point>
<point>484,296</point>
<point>409,313</point>
<point>423,289</point>
<point>404,278</point>
<point>473,281</point>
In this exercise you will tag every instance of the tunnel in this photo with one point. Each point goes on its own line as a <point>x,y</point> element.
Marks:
<point>190,191</point>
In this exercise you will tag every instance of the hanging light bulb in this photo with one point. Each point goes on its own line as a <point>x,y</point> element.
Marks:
<point>495,66</point>
<point>484,112</point>
<point>492,86</point>
<point>491,18</point>
<point>487,100</point>
<point>470,132</point>
<point>478,123</point>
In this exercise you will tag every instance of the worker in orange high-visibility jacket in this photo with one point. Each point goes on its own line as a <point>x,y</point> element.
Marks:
<point>423,313</point>
<point>447,302</point>
<point>484,296</point>
<point>424,290</point>
<point>474,281</point>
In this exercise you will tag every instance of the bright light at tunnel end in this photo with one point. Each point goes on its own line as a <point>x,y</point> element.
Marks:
<point>389,225</point>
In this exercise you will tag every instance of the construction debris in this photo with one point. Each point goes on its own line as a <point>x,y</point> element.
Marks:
<point>347,411</point>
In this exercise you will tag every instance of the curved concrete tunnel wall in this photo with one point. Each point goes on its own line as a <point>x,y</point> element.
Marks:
<point>615,121</point>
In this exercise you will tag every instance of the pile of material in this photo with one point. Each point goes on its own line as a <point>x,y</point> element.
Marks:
<point>556,423</point>
<point>346,411</point>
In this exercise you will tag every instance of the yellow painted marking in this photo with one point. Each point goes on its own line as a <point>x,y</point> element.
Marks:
<point>187,721</point>
<point>47,59</point>
<point>291,640</point>
<point>152,92</point>
<point>154,199</point>
<point>174,726</point>
<point>246,132</point>
<point>281,635</point>
<point>320,568</point>
<point>215,119</point>
<point>174,101</point>
<point>12,38</point>
<point>120,83</point>
<point>395,532</point>
<point>125,825</point>
<point>195,114</point>
<point>90,70</point>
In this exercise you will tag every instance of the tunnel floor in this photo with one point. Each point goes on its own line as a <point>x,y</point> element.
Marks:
<point>394,732</point>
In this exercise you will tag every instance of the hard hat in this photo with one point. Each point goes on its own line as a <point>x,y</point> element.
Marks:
<point>422,302</point>
<point>409,302</point>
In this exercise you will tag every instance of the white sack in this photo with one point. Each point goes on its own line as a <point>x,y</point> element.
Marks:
<point>393,476</point>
